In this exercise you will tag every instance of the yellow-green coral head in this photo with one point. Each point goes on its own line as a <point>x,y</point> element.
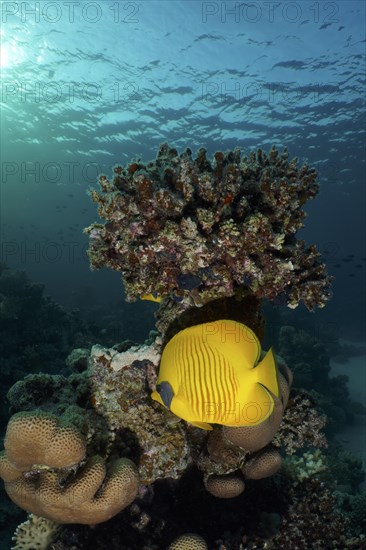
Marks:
<point>214,373</point>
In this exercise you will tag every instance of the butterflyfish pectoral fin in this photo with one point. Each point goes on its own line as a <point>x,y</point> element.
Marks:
<point>156,397</point>
<point>267,373</point>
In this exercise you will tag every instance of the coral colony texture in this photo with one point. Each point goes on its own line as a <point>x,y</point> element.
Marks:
<point>198,230</point>
<point>208,241</point>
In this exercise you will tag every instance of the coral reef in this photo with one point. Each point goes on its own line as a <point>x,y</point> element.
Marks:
<point>189,541</point>
<point>310,363</point>
<point>38,438</point>
<point>45,473</point>
<point>124,418</point>
<point>311,504</point>
<point>120,393</point>
<point>302,425</point>
<point>207,240</point>
<point>117,419</point>
<point>357,512</point>
<point>308,464</point>
<point>37,334</point>
<point>199,230</point>
<point>273,513</point>
<point>35,534</point>
<point>344,467</point>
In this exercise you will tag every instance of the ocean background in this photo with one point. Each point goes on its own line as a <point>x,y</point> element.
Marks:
<point>86,85</point>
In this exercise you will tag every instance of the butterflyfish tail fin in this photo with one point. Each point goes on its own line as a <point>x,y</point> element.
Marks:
<point>267,373</point>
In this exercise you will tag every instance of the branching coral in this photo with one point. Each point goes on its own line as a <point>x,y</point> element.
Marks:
<point>199,230</point>
<point>35,534</point>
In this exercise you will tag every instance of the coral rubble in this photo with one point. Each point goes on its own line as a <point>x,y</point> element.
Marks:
<point>198,230</point>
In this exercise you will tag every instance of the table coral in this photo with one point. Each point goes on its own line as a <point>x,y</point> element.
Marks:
<point>199,229</point>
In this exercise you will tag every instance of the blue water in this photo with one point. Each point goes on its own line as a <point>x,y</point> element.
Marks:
<point>89,84</point>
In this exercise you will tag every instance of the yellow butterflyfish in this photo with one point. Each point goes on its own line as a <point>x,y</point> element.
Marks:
<point>215,373</point>
<point>151,297</point>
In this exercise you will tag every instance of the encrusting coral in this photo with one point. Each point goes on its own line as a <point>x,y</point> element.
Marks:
<point>38,468</point>
<point>199,230</point>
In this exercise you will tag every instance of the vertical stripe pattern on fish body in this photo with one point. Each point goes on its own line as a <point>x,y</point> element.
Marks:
<point>212,374</point>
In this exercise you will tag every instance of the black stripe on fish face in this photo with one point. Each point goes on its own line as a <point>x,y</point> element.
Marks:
<point>166,393</point>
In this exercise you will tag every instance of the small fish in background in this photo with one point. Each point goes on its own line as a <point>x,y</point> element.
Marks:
<point>214,373</point>
<point>153,297</point>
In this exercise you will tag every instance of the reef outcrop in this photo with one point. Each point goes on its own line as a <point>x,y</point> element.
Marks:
<point>45,473</point>
<point>198,230</point>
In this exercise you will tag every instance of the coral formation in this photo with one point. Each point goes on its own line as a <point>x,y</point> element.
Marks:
<point>229,486</point>
<point>188,541</point>
<point>357,513</point>
<point>37,334</point>
<point>302,425</point>
<point>120,393</point>
<point>162,447</point>
<point>262,464</point>
<point>37,438</point>
<point>308,464</point>
<point>42,473</point>
<point>199,230</point>
<point>310,362</point>
<point>311,504</point>
<point>35,534</point>
<point>121,396</point>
